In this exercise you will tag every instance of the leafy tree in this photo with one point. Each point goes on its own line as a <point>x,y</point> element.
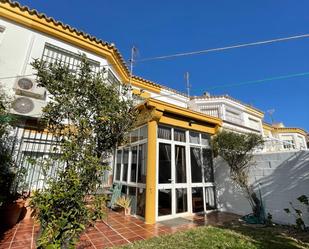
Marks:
<point>90,117</point>
<point>8,169</point>
<point>236,149</point>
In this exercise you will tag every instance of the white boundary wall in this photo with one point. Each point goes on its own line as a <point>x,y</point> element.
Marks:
<point>281,177</point>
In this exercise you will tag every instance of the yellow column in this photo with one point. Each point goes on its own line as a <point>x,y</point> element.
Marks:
<point>151,188</point>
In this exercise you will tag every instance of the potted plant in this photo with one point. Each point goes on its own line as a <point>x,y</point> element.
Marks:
<point>125,203</point>
<point>12,201</point>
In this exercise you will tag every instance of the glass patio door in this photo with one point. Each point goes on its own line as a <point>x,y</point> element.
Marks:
<point>172,180</point>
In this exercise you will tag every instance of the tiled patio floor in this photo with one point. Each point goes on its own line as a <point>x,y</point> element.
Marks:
<point>115,230</point>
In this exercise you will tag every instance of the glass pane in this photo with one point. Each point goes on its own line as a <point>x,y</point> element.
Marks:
<point>165,202</point>
<point>196,165</point>
<point>164,132</point>
<point>118,165</point>
<point>141,177</point>
<point>141,198</point>
<point>206,140</point>
<point>164,163</point>
<point>181,200</point>
<point>143,132</point>
<point>124,189</point>
<point>133,164</point>
<point>132,195</point>
<point>134,136</point>
<point>207,165</point>
<point>194,137</point>
<point>125,162</point>
<point>179,135</point>
<point>197,200</point>
<point>210,198</point>
<point>180,163</point>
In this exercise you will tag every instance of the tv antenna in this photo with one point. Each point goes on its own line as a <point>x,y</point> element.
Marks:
<point>188,86</point>
<point>271,113</point>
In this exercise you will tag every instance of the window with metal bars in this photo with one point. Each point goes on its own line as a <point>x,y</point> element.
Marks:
<point>52,54</point>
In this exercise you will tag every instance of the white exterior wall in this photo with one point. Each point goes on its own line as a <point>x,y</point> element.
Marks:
<point>20,45</point>
<point>225,104</point>
<point>172,98</point>
<point>282,177</point>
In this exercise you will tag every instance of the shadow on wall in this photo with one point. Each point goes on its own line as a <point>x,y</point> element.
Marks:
<point>281,178</point>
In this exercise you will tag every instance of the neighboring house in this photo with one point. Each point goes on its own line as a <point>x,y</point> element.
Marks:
<point>243,118</point>
<point>167,165</point>
<point>236,116</point>
<point>281,138</point>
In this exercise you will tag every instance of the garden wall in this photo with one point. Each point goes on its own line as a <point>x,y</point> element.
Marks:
<point>281,178</point>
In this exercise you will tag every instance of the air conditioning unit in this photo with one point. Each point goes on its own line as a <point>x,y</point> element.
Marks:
<point>28,87</point>
<point>26,106</point>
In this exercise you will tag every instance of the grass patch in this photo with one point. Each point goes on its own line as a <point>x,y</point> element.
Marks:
<point>236,237</point>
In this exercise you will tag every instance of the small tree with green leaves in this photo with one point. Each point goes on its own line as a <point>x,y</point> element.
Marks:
<point>89,117</point>
<point>8,168</point>
<point>237,150</point>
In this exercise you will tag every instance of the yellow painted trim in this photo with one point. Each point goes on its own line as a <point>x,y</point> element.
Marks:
<point>268,127</point>
<point>291,130</point>
<point>254,112</point>
<point>143,85</point>
<point>46,26</point>
<point>186,125</point>
<point>166,107</point>
<point>141,93</point>
<point>150,210</point>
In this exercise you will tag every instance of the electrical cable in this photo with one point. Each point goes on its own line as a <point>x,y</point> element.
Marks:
<point>260,80</point>
<point>223,48</point>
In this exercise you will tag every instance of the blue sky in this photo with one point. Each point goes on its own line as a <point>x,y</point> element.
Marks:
<point>166,27</point>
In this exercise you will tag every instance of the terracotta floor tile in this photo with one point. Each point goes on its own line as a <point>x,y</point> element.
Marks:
<point>115,238</point>
<point>25,243</point>
<point>129,235</point>
<point>100,242</point>
<point>135,238</point>
<point>120,242</point>
<point>5,245</point>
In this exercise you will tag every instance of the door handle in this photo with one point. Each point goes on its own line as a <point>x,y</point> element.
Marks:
<point>171,180</point>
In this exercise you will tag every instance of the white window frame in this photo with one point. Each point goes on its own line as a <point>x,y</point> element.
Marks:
<point>173,186</point>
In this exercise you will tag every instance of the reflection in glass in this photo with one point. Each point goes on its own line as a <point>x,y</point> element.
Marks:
<point>141,175</point>
<point>133,164</point>
<point>180,163</point>
<point>164,132</point>
<point>124,189</point>
<point>141,199</point>
<point>134,136</point>
<point>164,163</point>
<point>118,166</point>
<point>194,137</point>
<point>205,139</point>
<point>210,198</point>
<point>165,204</point>
<point>197,200</point>
<point>179,135</point>
<point>181,200</point>
<point>196,164</point>
<point>143,132</point>
<point>125,162</point>
<point>132,195</point>
<point>207,165</point>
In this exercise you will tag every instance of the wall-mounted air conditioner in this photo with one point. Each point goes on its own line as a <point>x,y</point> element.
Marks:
<point>27,106</point>
<point>28,87</point>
